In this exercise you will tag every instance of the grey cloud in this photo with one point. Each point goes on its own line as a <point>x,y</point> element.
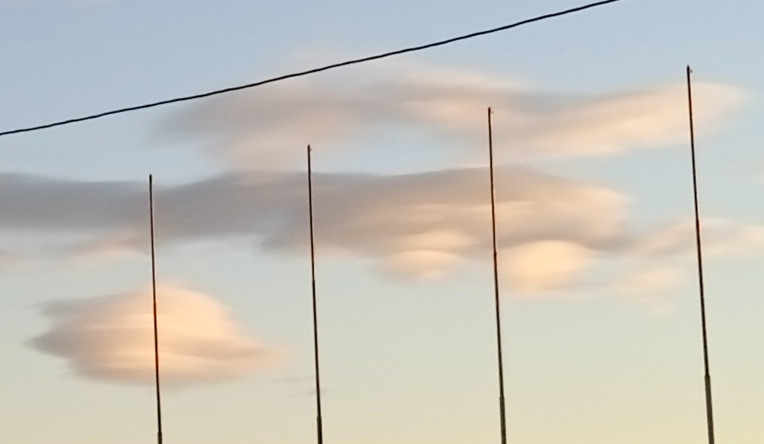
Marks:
<point>375,216</point>
<point>552,231</point>
<point>33,203</point>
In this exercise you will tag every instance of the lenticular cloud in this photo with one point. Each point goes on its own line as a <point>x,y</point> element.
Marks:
<point>111,338</point>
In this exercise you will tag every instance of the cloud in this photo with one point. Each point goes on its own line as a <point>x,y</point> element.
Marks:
<point>545,265</point>
<point>10,261</point>
<point>553,233</point>
<point>420,224</point>
<point>269,126</point>
<point>423,264</point>
<point>618,122</point>
<point>719,237</point>
<point>111,338</point>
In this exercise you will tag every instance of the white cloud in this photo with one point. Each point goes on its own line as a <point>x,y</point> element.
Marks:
<point>427,255</point>
<point>546,265</point>
<point>422,264</point>
<point>270,126</point>
<point>619,122</point>
<point>111,338</point>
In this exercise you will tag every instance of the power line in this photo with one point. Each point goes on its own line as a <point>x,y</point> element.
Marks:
<point>306,72</point>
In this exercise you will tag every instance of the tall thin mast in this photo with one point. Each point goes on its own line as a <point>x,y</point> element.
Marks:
<point>709,404</point>
<point>502,408</point>
<point>319,420</point>
<point>154,299</point>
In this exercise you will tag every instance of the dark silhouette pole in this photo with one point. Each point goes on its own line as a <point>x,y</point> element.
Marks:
<point>707,379</point>
<point>319,420</point>
<point>154,299</point>
<point>502,408</point>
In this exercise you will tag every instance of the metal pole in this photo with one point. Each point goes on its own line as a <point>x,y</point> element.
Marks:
<point>154,299</point>
<point>502,408</point>
<point>319,420</point>
<point>707,379</point>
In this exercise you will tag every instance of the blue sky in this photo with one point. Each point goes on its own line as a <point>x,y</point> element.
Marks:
<point>601,318</point>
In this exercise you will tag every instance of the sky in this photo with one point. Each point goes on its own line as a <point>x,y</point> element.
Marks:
<point>598,279</point>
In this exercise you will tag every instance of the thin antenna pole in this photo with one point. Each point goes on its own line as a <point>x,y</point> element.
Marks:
<point>709,405</point>
<point>502,408</point>
<point>319,420</point>
<point>154,298</point>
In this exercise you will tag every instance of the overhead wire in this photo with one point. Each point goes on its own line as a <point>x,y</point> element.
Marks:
<point>305,72</point>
